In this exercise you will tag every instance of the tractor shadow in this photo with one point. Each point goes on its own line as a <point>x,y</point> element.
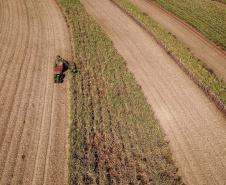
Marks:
<point>65,68</point>
<point>62,78</point>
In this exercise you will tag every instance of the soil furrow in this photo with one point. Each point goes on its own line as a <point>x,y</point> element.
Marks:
<point>16,105</point>
<point>29,123</point>
<point>18,131</point>
<point>4,29</point>
<point>38,177</point>
<point>11,83</point>
<point>38,101</point>
<point>29,97</point>
<point>6,54</point>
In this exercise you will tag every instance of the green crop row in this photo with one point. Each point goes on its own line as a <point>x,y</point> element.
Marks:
<point>174,47</point>
<point>113,136</point>
<point>208,17</point>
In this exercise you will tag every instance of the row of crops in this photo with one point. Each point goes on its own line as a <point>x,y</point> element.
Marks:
<point>114,136</point>
<point>208,17</point>
<point>175,48</point>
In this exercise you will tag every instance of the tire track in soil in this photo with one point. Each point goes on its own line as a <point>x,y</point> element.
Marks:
<point>10,132</point>
<point>3,29</point>
<point>34,110</point>
<point>27,81</point>
<point>32,153</point>
<point>14,114</point>
<point>45,128</point>
<point>3,96</point>
<point>3,10</point>
<point>19,169</point>
<point>195,128</point>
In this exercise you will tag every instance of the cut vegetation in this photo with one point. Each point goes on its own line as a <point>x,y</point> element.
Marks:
<point>204,77</point>
<point>208,17</point>
<point>114,136</point>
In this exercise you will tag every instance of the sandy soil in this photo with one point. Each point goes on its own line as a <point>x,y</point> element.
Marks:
<point>193,125</point>
<point>202,48</point>
<point>33,110</point>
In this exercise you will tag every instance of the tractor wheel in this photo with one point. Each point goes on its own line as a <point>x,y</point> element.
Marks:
<point>61,79</point>
<point>54,78</point>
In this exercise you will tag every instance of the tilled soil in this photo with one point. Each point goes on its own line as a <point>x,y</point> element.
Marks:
<point>33,110</point>
<point>195,128</point>
<point>200,46</point>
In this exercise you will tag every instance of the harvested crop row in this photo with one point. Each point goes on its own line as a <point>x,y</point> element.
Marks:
<point>114,137</point>
<point>33,110</point>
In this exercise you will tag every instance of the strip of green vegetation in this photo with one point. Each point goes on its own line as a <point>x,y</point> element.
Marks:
<point>207,16</point>
<point>113,137</point>
<point>204,74</point>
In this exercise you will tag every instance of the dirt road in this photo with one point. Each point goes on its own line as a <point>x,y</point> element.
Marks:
<point>193,125</point>
<point>33,110</point>
<point>202,48</point>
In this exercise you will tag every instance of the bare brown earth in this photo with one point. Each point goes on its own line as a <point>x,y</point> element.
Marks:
<point>33,110</point>
<point>201,47</point>
<point>193,125</point>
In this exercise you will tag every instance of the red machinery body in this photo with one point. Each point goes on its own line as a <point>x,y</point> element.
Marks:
<point>58,68</point>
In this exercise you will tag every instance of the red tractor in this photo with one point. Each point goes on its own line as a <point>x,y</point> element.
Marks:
<point>58,68</point>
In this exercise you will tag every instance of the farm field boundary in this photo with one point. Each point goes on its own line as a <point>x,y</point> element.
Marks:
<point>204,77</point>
<point>105,102</point>
<point>206,16</point>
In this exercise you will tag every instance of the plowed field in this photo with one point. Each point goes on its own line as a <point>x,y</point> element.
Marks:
<point>194,126</point>
<point>33,110</point>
